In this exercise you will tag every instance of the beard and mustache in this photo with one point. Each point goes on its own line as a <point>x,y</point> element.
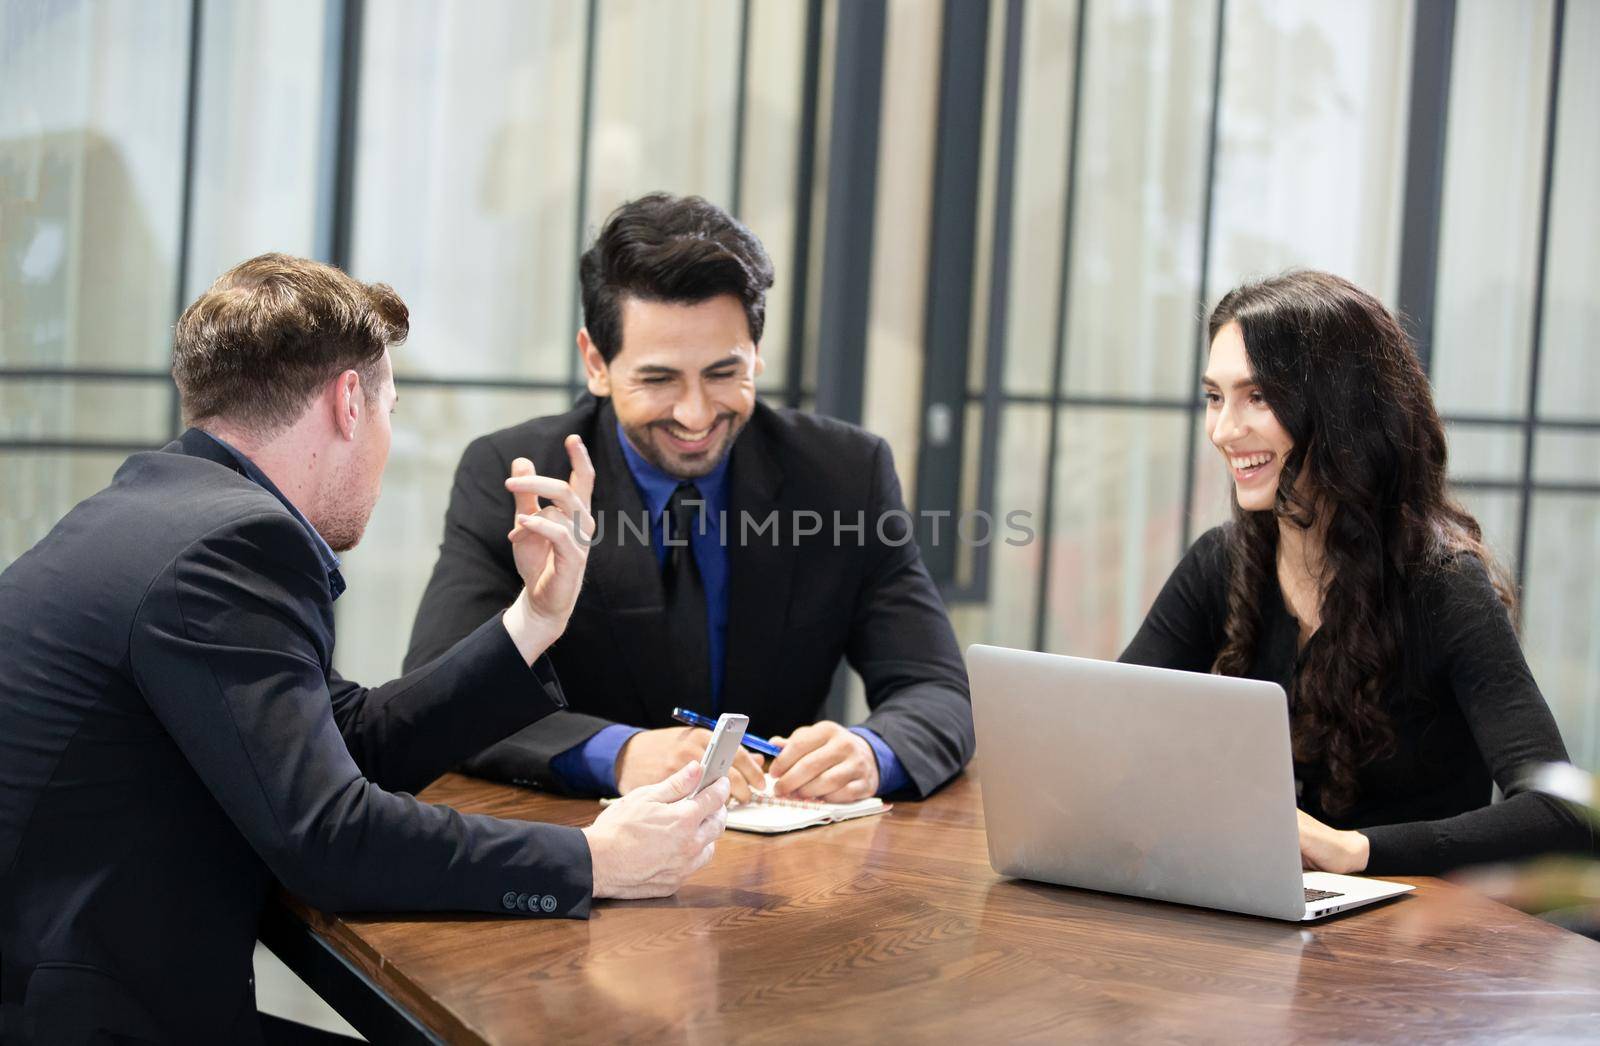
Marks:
<point>694,466</point>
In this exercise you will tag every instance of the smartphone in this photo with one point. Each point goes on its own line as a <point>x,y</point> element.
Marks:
<point>724,746</point>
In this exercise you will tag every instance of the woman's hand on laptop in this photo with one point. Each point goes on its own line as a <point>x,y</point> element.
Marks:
<point>1324,849</point>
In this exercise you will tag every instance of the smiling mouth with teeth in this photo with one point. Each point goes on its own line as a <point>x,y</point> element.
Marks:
<point>685,436</point>
<point>1248,464</point>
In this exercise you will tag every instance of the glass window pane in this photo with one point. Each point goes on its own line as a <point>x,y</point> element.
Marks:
<point>1499,514</point>
<point>41,487</point>
<point>389,569</point>
<point>984,204</point>
<point>1045,97</point>
<point>1489,226</point>
<point>897,305</point>
<point>665,92</point>
<point>1311,162</point>
<point>261,97</point>
<point>1561,603</point>
<point>92,121</point>
<point>1008,616</point>
<point>137,412</point>
<point>774,84</point>
<point>1484,451</point>
<point>1566,457</point>
<point>1141,162</point>
<point>465,173</point>
<point>974,531</point>
<point>1569,377</point>
<point>1118,514</point>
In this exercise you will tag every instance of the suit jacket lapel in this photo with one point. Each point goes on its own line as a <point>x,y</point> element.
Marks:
<point>759,574</point>
<point>623,578</point>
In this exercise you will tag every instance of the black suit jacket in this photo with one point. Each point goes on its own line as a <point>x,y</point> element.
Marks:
<point>796,603</point>
<point>172,737</point>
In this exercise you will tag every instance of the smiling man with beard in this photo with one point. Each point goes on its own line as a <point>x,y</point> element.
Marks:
<point>742,552</point>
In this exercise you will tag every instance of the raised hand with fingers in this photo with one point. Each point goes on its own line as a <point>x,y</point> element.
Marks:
<point>550,543</point>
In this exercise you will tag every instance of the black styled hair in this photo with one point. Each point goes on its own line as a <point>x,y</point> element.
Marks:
<point>668,248</point>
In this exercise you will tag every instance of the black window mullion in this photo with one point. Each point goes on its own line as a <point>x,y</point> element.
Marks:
<point>1432,48</point>
<point>952,256</point>
<point>994,360</point>
<point>1208,187</point>
<point>186,200</point>
<point>740,103</point>
<point>1058,365</point>
<point>580,234</point>
<point>804,189</point>
<point>852,207</point>
<point>1529,429</point>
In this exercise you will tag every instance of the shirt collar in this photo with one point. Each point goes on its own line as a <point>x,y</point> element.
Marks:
<point>656,486</point>
<point>330,559</point>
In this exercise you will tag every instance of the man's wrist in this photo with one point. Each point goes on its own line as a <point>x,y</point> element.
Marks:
<point>532,634</point>
<point>598,888</point>
<point>891,774</point>
<point>872,762</point>
<point>616,764</point>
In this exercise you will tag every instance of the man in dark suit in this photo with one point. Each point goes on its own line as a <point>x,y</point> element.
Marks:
<point>172,734</point>
<point>743,550</point>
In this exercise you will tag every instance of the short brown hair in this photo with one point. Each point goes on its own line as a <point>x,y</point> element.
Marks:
<point>258,344</point>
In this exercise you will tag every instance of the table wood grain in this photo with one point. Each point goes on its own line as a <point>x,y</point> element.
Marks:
<point>896,928</point>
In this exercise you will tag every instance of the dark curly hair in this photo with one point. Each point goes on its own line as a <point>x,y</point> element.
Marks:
<point>1343,380</point>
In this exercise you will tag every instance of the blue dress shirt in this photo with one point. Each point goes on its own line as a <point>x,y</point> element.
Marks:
<point>591,766</point>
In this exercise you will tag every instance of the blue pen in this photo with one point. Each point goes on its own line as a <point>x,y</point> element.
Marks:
<point>759,744</point>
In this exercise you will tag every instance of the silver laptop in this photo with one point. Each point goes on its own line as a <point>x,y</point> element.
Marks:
<point>1172,785</point>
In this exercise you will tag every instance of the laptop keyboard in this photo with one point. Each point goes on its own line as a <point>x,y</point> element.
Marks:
<point>1320,895</point>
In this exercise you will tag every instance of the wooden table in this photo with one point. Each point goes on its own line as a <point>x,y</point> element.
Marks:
<point>895,928</point>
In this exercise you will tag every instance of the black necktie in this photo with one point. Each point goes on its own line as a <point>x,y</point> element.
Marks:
<point>686,599</point>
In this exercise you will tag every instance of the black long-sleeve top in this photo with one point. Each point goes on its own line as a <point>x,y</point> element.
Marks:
<point>1466,711</point>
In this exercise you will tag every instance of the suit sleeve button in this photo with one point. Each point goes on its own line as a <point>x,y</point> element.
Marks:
<point>509,900</point>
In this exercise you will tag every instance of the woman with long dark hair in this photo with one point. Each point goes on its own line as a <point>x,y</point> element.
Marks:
<point>1351,577</point>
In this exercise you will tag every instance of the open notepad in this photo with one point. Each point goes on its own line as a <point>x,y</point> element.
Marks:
<point>767,814</point>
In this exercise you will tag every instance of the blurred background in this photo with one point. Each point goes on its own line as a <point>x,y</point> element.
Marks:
<point>996,226</point>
